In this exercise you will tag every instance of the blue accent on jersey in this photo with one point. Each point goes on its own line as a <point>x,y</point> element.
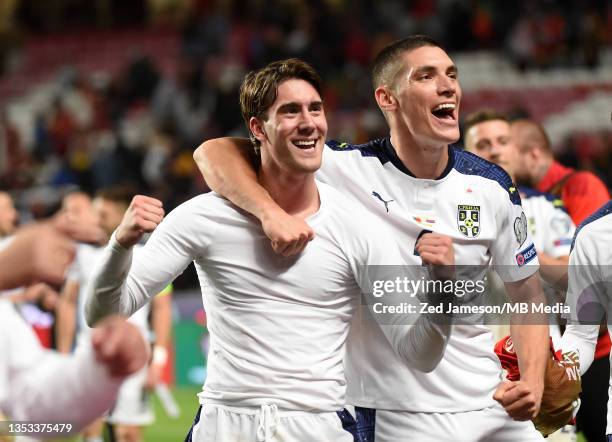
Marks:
<point>384,151</point>
<point>374,148</point>
<point>604,210</point>
<point>464,162</point>
<point>557,202</point>
<point>468,163</point>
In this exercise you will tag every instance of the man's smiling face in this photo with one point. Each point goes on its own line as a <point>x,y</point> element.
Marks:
<point>294,130</point>
<point>428,95</point>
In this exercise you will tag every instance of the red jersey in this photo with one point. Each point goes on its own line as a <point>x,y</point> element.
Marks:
<point>582,192</point>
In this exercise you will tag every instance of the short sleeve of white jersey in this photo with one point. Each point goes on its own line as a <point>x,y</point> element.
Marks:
<point>513,253</point>
<point>557,238</point>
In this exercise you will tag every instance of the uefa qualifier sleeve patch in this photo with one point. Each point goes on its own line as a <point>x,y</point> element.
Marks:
<point>526,255</point>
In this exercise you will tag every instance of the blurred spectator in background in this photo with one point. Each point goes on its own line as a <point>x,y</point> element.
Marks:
<point>582,192</point>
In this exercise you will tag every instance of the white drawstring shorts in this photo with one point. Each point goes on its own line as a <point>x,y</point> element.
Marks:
<point>220,423</point>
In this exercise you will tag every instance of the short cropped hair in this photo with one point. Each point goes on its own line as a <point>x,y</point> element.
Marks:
<point>482,116</point>
<point>259,88</point>
<point>386,67</point>
<point>121,194</point>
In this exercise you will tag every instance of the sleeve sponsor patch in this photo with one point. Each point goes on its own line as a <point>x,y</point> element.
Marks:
<point>525,255</point>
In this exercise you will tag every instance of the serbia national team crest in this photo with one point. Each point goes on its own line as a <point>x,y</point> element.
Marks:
<point>468,220</point>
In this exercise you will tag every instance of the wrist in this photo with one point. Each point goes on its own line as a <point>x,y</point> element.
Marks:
<point>537,385</point>
<point>269,210</point>
<point>160,355</point>
<point>123,239</point>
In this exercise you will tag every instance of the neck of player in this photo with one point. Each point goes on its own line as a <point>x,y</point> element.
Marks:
<point>295,192</point>
<point>424,160</point>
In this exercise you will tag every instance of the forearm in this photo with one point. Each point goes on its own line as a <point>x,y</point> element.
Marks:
<point>532,348</point>
<point>422,344</point>
<point>530,333</point>
<point>105,294</point>
<point>229,170</point>
<point>582,339</point>
<point>554,270</point>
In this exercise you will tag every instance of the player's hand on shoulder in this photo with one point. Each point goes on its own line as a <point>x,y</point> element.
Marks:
<point>520,399</point>
<point>289,234</point>
<point>119,346</point>
<point>142,216</point>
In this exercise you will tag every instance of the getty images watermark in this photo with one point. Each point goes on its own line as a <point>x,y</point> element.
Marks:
<point>470,294</point>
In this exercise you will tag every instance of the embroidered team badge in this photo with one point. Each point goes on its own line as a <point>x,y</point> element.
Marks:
<point>468,220</point>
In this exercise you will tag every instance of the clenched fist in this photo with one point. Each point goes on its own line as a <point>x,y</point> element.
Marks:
<point>437,251</point>
<point>520,399</point>
<point>142,216</point>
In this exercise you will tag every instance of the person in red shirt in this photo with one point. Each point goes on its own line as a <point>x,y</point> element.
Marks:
<point>582,193</point>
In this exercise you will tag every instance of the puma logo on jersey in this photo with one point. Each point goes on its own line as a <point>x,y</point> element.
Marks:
<point>386,203</point>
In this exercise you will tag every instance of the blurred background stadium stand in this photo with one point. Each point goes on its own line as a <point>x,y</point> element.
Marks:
<point>100,92</point>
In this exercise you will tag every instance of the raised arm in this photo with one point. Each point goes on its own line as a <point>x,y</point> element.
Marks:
<point>228,166</point>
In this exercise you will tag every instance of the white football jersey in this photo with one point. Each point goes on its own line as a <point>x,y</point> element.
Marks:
<point>589,294</point>
<point>278,325</point>
<point>475,203</point>
<point>550,226</point>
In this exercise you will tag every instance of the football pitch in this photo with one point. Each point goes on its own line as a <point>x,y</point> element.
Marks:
<point>166,429</point>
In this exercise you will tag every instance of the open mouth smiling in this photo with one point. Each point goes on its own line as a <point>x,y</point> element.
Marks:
<point>445,111</point>
<point>304,144</point>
